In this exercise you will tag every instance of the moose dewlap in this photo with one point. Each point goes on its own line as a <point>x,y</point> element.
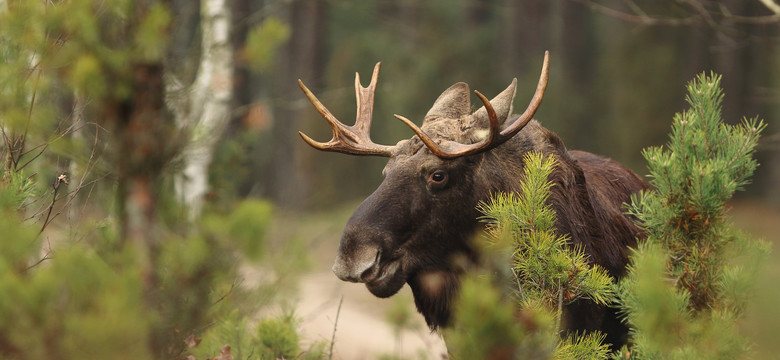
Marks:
<point>416,227</point>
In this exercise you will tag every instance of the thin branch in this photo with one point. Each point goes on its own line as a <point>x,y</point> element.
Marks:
<point>29,113</point>
<point>640,18</point>
<point>62,178</point>
<point>703,15</point>
<point>45,146</point>
<point>335,324</point>
<point>519,284</point>
<point>10,161</point>
<point>45,257</point>
<point>68,131</point>
<point>227,293</point>
<point>72,195</point>
<point>560,307</point>
<point>635,8</point>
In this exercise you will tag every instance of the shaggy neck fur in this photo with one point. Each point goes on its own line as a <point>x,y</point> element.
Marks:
<point>434,293</point>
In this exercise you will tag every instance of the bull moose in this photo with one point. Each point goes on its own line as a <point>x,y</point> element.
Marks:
<point>424,213</point>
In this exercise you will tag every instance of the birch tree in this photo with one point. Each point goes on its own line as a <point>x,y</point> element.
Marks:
<point>206,109</point>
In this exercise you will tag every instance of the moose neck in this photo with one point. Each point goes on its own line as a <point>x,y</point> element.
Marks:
<point>434,294</point>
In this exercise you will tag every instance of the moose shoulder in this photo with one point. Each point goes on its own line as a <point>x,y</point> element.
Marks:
<point>417,226</point>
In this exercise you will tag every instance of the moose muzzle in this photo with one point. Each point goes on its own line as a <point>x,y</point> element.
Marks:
<point>360,265</point>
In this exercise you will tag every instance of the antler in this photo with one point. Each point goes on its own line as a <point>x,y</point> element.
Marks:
<point>451,149</point>
<point>353,139</point>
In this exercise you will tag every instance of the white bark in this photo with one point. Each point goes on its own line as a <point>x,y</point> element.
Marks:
<point>771,5</point>
<point>207,108</point>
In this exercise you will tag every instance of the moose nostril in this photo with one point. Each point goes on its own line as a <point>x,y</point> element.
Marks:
<point>373,269</point>
<point>359,266</point>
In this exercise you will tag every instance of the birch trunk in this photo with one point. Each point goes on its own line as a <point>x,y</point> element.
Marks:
<point>207,108</point>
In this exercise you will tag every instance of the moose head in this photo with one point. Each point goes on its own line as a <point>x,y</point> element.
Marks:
<point>417,225</point>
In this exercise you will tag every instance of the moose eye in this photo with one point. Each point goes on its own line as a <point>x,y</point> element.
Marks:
<point>438,177</point>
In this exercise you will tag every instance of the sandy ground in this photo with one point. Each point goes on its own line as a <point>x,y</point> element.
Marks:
<point>362,331</point>
<point>361,328</point>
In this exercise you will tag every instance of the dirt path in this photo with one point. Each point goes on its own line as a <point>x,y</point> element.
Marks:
<point>362,331</point>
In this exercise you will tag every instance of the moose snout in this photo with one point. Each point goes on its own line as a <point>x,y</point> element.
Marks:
<point>357,266</point>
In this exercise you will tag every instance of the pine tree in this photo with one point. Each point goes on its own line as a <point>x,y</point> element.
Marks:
<point>689,279</point>
<point>548,273</point>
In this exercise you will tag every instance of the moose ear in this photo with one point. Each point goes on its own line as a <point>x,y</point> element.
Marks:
<point>502,104</point>
<point>451,104</point>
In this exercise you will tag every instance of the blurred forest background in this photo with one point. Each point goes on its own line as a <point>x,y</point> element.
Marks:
<point>617,71</point>
<point>168,130</point>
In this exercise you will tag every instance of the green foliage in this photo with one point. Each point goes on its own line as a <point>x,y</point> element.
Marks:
<point>546,267</point>
<point>58,306</point>
<point>86,298</point>
<point>84,288</point>
<point>279,337</point>
<point>486,326</point>
<point>585,347</point>
<point>262,43</point>
<point>16,190</point>
<point>690,279</point>
<point>272,338</point>
<point>548,273</point>
<point>245,226</point>
<point>148,44</point>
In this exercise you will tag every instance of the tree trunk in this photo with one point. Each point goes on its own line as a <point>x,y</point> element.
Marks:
<point>289,185</point>
<point>208,105</point>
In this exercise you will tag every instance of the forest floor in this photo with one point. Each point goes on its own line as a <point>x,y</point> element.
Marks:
<point>362,330</point>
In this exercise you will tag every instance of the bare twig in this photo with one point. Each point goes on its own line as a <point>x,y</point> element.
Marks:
<point>704,14</point>
<point>71,129</point>
<point>29,114</point>
<point>335,324</point>
<point>701,15</point>
<point>45,257</point>
<point>227,293</point>
<point>639,17</point>
<point>62,178</point>
<point>45,146</point>
<point>71,197</point>
<point>10,160</point>
<point>560,307</point>
<point>71,194</point>
<point>519,284</point>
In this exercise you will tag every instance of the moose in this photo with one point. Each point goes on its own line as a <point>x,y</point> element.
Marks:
<point>417,226</point>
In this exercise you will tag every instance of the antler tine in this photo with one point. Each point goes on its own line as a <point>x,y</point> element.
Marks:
<point>354,139</point>
<point>364,96</point>
<point>432,145</point>
<point>334,123</point>
<point>529,112</point>
<point>495,136</point>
